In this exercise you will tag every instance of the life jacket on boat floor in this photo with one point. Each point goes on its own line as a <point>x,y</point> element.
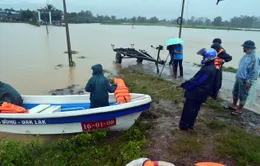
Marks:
<point>8,108</point>
<point>122,92</point>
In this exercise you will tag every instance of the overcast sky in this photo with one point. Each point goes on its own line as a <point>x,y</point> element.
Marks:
<point>160,8</point>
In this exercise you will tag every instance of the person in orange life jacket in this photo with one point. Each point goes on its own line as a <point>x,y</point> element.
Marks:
<point>222,57</point>
<point>198,88</point>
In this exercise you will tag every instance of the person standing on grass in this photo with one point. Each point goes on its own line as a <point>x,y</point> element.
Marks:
<point>222,57</point>
<point>177,54</point>
<point>198,89</point>
<point>246,76</point>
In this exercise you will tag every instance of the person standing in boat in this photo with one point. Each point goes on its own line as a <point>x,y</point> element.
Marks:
<point>10,95</point>
<point>222,57</point>
<point>198,89</point>
<point>99,86</point>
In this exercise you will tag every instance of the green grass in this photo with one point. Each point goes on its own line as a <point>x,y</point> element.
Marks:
<point>226,69</point>
<point>229,69</point>
<point>84,149</point>
<point>214,104</point>
<point>242,147</point>
<point>187,145</point>
<point>217,125</point>
<point>158,88</point>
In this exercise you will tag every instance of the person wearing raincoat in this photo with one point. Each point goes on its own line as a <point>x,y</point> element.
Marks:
<point>9,94</point>
<point>246,77</point>
<point>175,49</point>
<point>177,60</point>
<point>222,57</point>
<point>99,86</point>
<point>198,88</point>
<point>176,52</point>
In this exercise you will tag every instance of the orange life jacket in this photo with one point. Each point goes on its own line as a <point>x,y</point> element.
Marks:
<point>218,61</point>
<point>9,108</point>
<point>208,164</point>
<point>121,93</point>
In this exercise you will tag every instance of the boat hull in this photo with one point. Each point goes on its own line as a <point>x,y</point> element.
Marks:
<point>122,123</point>
<point>116,118</point>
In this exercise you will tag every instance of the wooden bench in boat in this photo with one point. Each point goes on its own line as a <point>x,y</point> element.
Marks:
<point>51,109</point>
<point>39,108</point>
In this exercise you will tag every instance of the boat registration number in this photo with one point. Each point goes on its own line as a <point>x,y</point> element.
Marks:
<point>87,126</point>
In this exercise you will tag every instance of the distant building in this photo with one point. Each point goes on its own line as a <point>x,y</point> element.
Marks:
<point>9,15</point>
<point>3,15</point>
<point>14,16</point>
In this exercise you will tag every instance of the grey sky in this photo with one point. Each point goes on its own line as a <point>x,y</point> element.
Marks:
<point>161,8</point>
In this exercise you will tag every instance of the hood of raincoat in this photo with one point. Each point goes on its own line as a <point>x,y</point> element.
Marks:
<point>208,54</point>
<point>97,69</point>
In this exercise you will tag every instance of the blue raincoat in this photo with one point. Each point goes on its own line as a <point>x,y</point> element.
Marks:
<point>249,70</point>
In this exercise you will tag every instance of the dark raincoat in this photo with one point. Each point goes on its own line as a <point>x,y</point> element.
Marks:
<point>198,89</point>
<point>9,94</point>
<point>99,86</point>
<point>218,78</point>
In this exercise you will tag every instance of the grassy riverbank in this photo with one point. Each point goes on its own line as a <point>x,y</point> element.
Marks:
<point>218,136</point>
<point>184,26</point>
<point>226,69</point>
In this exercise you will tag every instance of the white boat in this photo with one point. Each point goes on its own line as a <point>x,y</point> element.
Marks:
<point>63,114</point>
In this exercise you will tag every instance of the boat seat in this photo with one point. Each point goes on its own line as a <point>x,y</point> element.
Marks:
<point>39,108</point>
<point>51,109</point>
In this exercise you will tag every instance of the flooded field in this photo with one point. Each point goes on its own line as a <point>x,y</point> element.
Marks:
<point>29,57</point>
<point>35,63</point>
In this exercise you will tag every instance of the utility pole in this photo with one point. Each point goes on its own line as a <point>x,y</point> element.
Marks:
<point>67,34</point>
<point>46,22</point>
<point>182,10</point>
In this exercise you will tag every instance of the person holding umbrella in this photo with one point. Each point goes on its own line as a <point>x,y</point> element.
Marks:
<point>176,52</point>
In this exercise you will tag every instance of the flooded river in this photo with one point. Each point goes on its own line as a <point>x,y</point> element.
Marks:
<point>28,55</point>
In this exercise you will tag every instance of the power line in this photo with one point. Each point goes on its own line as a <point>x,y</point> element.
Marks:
<point>178,13</point>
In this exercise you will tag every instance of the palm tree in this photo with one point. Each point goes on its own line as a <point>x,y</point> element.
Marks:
<point>50,7</point>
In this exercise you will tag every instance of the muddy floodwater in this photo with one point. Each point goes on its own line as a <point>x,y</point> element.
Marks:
<point>29,57</point>
<point>34,62</point>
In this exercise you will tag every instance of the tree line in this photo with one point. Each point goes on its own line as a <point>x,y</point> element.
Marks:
<point>242,21</point>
